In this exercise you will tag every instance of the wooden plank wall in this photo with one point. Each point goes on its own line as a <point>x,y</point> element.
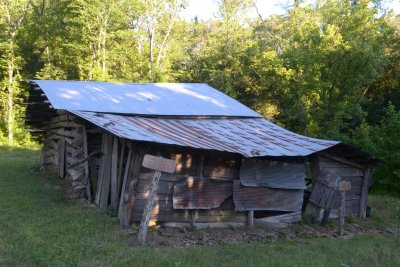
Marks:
<point>63,147</point>
<point>349,173</point>
<point>218,166</point>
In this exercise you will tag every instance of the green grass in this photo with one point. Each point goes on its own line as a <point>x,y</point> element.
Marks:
<point>39,226</point>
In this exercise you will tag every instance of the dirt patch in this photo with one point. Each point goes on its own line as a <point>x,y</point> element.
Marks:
<point>186,237</point>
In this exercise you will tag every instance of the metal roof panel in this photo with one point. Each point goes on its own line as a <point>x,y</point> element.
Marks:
<point>174,99</point>
<point>250,137</point>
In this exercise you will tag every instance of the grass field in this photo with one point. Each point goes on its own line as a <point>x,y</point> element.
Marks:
<point>40,226</point>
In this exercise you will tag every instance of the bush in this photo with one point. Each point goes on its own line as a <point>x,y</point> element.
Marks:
<point>383,142</point>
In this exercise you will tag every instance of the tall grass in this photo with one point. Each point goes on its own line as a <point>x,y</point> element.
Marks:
<point>40,226</point>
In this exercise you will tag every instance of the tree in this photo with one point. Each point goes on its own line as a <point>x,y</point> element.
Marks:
<point>12,15</point>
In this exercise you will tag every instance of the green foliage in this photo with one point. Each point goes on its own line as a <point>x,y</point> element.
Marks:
<point>382,140</point>
<point>324,69</point>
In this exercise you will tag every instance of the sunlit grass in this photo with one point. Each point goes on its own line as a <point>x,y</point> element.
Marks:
<point>40,226</point>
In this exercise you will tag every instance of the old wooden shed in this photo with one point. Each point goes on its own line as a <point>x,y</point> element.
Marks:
<point>231,162</point>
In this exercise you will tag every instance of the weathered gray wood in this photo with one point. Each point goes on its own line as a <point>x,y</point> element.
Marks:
<point>75,174</point>
<point>143,186</point>
<point>167,177</point>
<point>205,225</point>
<point>341,160</point>
<point>250,219</point>
<point>100,172</point>
<point>263,198</point>
<point>120,166</point>
<point>160,214</point>
<point>272,174</point>
<point>284,218</point>
<point>315,167</point>
<point>74,163</point>
<point>106,172</point>
<point>200,167</point>
<point>364,193</point>
<point>279,221</point>
<point>147,210</point>
<point>123,189</point>
<point>200,193</point>
<point>129,194</point>
<point>220,167</point>
<point>86,164</point>
<point>345,171</point>
<point>324,189</point>
<point>68,124</point>
<point>114,173</point>
<point>61,158</point>
<point>159,163</point>
<point>342,211</point>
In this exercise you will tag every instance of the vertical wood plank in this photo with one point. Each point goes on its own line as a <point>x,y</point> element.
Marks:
<point>86,164</point>
<point>114,173</point>
<point>342,210</point>
<point>364,193</point>
<point>144,224</point>
<point>250,219</point>
<point>120,166</point>
<point>106,172</point>
<point>100,173</point>
<point>61,158</point>
<point>129,194</point>
<point>200,168</point>
<point>315,167</point>
<point>127,167</point>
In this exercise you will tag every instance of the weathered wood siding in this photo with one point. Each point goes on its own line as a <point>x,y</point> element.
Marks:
<point>220,167</point>
<point>63,147</point>
<point>348,173</point>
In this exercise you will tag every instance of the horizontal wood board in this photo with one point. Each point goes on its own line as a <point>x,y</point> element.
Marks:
<point>272,174</point>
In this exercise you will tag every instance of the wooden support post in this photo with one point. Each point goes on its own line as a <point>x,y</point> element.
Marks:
<point>120,166</point>
<point>158,164</point>
<point>200,168</point>
<point>147,210</point>
<point>342,210</point>
<point>61,158</point>
<point>250,219</point>
<point>114,173</point>
<point>343,187</point>
<point>86,165</point>
<point>100,172</point>
<point>106,172</point>
<point>127,167</point>
<point>129,197</point>
<point>362,211</point>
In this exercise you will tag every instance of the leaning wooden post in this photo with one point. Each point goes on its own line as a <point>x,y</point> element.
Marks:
<point>250,219</point>
<point>343,187</point>
<point>158,164</point>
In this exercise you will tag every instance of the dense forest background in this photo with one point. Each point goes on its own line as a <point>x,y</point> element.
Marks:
<point>329,69</point>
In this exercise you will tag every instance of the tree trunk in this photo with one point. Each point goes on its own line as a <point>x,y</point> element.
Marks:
<point>151,44</point>
<point>10,89</point>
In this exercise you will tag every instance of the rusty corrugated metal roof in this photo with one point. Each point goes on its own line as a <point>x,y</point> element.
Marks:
<point>250,137</point>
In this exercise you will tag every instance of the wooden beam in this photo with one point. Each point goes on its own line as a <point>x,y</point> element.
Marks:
<point>61,158</point>
<point>147,210</point>
<point>120,167</point>
<point>129,194</point>
<point>86,164</point>
<point>114,173</point>
<point>343,160</point>
<point>106,171</point>
<point>200,167</point>
<point>364,193</point>
<point>123,189</point>
<point>250,219</point>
